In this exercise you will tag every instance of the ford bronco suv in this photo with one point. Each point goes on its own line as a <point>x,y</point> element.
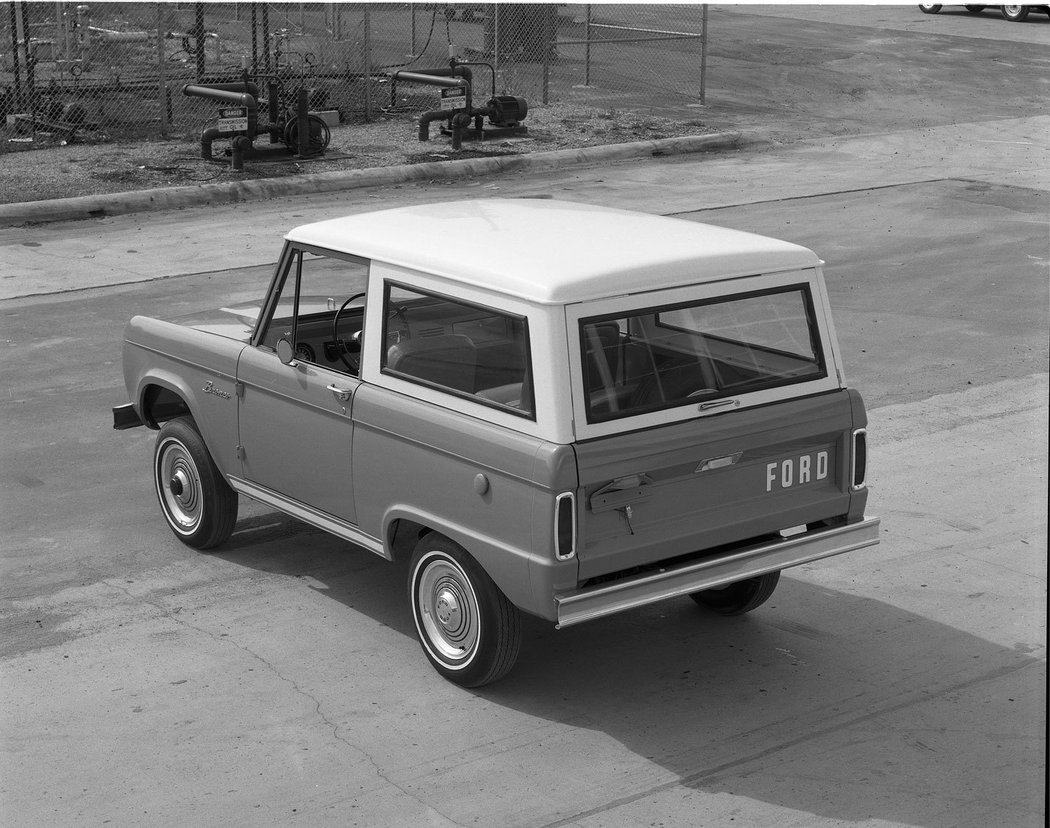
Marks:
<point>545,407</point>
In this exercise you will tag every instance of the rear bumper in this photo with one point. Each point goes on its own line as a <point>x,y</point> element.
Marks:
<point>748,562</point>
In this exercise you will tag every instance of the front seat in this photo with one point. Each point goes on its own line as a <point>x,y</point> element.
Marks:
<point>449,360</point>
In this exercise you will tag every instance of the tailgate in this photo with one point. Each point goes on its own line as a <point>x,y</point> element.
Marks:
<point>655,494</point>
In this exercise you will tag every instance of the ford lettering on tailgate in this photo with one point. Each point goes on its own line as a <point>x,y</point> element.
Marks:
<point>797,471</point>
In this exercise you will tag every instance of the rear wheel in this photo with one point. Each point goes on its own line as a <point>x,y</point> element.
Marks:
<point>1015,13</point>
<point>197,502</point>
<point>468,629</point>
<point>929,8</point>
<point>740,597</point>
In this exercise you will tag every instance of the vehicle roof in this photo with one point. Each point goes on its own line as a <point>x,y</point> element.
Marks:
<point>553,252</point>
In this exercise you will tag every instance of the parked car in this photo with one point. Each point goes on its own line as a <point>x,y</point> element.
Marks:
<point>550,408</point>
<point>1014,13</point>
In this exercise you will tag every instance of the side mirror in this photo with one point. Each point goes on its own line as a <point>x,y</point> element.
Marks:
<point>285,352</point>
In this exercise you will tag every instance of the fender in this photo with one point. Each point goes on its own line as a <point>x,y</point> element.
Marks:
<point>507,566</point>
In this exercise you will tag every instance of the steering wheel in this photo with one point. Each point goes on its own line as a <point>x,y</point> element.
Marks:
<point>352,363</point>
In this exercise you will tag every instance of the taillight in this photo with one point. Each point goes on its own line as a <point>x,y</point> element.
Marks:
<point>565,526</point>
<point>860,458</point>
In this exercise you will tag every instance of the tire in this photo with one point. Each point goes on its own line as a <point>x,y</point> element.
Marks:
<point>974,9</point>
<point>1015,14</point>
<point>468,629</point>
<point>929,8</point>
<point>197,502</point>
<point>740,597</point>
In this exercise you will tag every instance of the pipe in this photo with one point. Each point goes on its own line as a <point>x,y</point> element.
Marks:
<point>224,95</point>
<point>430,80</point>
<point>427,117</point>
<point>209,135</point>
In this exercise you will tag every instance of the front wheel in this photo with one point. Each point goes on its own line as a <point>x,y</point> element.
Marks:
<point>1015,13</point>
<point>197,502</point>
<point>929,8</point>
<point>738,598</point>
<point>469,630</point>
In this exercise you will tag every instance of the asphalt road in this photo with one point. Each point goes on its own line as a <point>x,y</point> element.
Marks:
<point>277,681</point>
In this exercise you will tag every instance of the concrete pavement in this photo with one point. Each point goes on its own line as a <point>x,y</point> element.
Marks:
<point>138,247</point>
<point>278,681</point>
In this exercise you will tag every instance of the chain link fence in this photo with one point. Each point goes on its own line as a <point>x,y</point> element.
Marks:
<point>116,70</point>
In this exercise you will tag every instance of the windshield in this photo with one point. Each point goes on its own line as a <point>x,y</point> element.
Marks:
<point>690,353</point>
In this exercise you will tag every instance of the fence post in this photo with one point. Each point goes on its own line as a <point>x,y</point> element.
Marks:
<point>162,86</point>
<point>703,55</point>
<point>368,63</point>
<point>587,50</point>
<point>547,30</point>
<point>198,38</point>
<point>30,70</point>
<point>495,41</point>
<point>19,101</point>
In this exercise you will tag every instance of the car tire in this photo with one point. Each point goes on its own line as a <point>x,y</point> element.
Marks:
<point>1015,14</point>
<point>197,502</point>
<point>974,9</point>
<point>739,597</point>
<point>469,630</point>
<point>929,8</point>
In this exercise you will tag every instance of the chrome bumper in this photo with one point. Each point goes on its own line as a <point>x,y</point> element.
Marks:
<point>606,599</point>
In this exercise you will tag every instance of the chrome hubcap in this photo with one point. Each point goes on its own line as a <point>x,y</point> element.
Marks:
<point>181,494</point>
<point>446,610</point>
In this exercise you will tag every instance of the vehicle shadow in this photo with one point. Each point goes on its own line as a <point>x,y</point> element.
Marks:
<point>822,702</point>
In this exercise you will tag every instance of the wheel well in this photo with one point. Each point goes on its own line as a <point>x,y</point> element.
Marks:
<point>160,404</point>
<point>403,535</point>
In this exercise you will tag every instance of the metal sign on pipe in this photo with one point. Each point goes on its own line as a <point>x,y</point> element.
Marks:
<point>454,98</point>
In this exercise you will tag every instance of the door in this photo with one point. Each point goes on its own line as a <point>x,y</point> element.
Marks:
<point>294,418</point>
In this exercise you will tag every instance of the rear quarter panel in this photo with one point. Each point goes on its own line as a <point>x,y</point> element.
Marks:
<point>488,488</point>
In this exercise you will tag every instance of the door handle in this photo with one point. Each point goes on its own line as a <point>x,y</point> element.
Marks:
<point>343,394</point>
<point>707,406</point>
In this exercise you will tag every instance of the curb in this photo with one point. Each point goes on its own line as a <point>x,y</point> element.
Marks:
<point>172,198</point>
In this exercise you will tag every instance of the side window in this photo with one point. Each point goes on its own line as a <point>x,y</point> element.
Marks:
<point>465,349</point>
<point>320,310</point>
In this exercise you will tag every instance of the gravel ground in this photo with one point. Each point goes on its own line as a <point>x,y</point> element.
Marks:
<point>86,168</point>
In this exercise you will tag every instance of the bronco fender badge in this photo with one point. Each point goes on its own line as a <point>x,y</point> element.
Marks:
<point>209,388</point>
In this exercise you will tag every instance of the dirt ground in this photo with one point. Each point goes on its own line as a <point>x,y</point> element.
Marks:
<point>779,72</point>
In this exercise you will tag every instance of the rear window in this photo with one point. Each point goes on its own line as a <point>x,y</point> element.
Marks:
<point>681,354</point>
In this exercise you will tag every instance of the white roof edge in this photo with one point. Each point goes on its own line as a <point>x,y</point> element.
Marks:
<point>554,252</point>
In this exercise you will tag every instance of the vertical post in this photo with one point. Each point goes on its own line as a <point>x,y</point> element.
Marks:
<point>495,40</point>
<point>30,60</point>
<point>19,101</point>
<point>412,50</point>
<point>587,50</point>
<point>198,38</point>
<point>255,41</point>
<point>303,148</point>
<point>547,30</point>
<point>703,55</point>
<point>266,38</point>
<point>162,86</point>
<point>368,63</point>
